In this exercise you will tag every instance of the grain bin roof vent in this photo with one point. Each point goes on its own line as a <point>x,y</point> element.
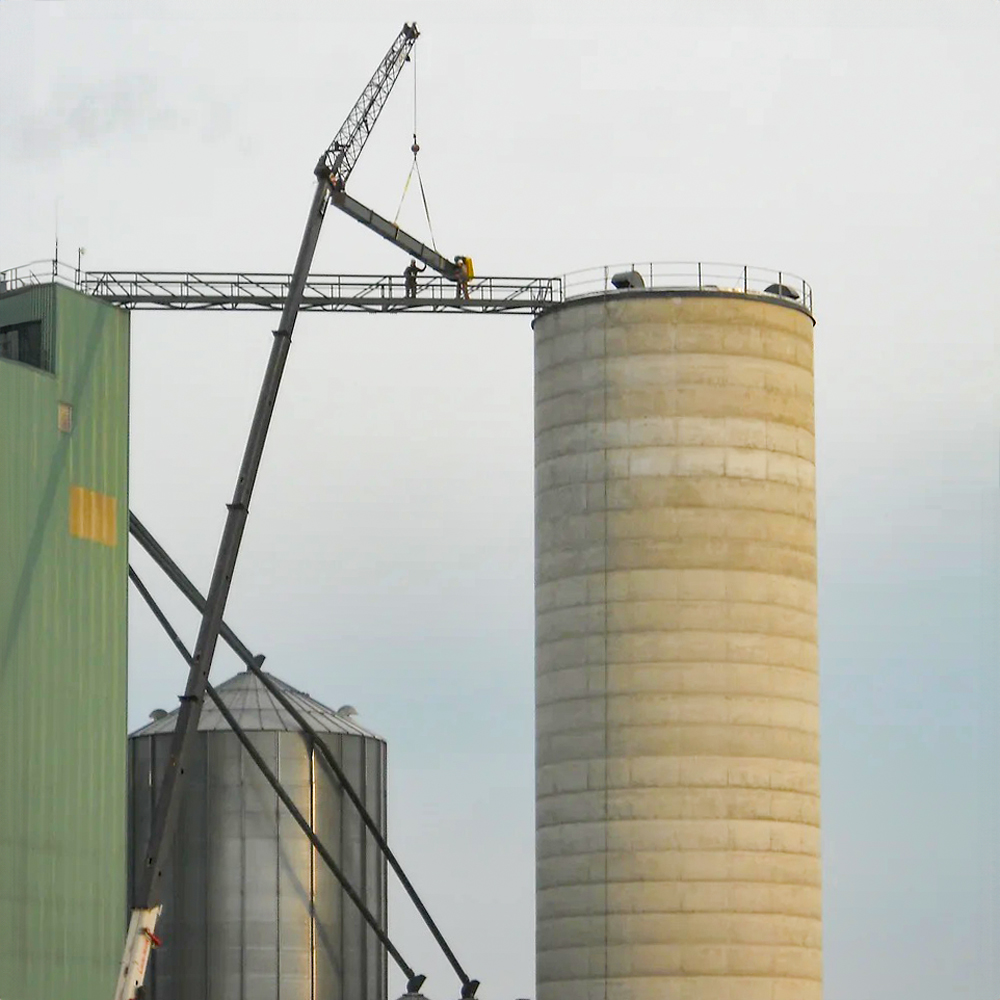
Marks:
<point>256,710</point>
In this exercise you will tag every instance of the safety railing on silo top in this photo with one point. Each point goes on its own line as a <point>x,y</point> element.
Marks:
<point>707,276</point>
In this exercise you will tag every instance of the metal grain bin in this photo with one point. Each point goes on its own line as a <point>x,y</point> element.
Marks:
<point>250,911</point>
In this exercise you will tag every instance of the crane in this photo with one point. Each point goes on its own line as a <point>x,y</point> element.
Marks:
<point>340,158</point>
<point>331,171</point>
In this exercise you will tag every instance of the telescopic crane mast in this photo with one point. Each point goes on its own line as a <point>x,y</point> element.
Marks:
<point>332,171</point>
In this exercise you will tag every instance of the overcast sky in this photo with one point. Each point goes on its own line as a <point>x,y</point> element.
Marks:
<point>388,560</point>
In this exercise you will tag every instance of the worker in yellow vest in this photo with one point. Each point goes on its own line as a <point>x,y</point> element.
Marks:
<point>464,266</point>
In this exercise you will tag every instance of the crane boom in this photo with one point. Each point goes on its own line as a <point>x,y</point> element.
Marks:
<point>346,147</point>
<point>331,170</point>
<point>343,153</point>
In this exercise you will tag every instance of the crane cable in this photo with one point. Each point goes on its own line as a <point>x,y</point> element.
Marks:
<point>415,166</point>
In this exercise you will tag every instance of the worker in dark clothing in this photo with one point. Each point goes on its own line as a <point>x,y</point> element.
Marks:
<point>410,274</point>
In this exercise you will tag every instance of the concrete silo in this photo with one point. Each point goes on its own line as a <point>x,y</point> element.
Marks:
<point>677,712</point>
<point>250,910</point>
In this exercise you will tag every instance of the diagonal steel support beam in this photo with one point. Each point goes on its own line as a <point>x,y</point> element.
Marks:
<point>391,232</point>
<point>277,787</point>
<point>183,583</point>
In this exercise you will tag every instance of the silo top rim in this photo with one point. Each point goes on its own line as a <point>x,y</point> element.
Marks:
<point>697,278</point>
<point>257,710</point>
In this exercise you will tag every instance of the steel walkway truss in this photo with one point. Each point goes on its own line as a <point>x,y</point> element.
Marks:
<point>219,291</point>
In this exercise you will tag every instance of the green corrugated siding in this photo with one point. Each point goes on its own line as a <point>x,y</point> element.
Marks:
<point>62,656</point>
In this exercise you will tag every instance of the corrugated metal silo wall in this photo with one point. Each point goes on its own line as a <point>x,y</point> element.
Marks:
<point>251,912</point>
<point>63,562</point>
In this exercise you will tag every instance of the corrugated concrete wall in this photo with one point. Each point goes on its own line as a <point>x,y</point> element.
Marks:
<point>677,714</point>
<point>63,562</point>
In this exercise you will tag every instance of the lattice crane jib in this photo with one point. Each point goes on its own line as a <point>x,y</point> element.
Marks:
<point>340,158</point>
<point>342,155</point>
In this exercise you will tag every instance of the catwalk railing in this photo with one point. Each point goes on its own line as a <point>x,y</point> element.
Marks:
<point>379,293</point>
<point>323,292</point>
<point>703,276</point>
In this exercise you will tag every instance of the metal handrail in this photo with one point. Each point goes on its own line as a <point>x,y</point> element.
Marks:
<point>39,272</point>
<point>234,286</point>
<point>268,290</point>
<point>360,292</point>
<point>743,279</point>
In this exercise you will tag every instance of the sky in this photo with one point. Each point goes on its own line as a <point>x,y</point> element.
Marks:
<point>388,559</point>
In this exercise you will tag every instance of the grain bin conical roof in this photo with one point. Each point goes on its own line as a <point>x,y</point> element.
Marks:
<point>257,710</point>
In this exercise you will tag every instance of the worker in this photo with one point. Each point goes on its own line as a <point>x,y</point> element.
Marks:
<point>410,275</point>
<point>462,279</point>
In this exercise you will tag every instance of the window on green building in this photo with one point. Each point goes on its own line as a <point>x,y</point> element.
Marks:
<point>24,342</point>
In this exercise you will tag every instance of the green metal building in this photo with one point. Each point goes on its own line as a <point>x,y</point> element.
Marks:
<point>64,365</point>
